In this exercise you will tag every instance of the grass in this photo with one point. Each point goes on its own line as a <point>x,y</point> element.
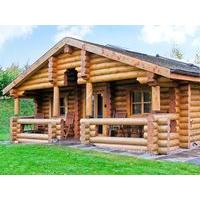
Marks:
<point>51,159</point>
<point>6,111</point>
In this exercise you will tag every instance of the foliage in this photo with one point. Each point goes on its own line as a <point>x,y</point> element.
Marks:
<point>6,111</point>
<point>176,53</point>
<point>52,159</point>
<point>8,75</point>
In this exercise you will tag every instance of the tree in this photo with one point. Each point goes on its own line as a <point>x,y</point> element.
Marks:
<point>176,53</point>
<point>7,75</point>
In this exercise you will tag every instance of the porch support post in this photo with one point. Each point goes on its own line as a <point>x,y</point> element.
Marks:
<point>56,101</point>
<point>16,105</point>
<point>155,96</point>
<point>89,92</point>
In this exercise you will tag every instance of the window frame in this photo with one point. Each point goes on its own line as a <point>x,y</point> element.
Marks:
<point>142,102</point>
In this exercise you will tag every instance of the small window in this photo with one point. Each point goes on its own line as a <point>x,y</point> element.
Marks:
<point>140,102</point>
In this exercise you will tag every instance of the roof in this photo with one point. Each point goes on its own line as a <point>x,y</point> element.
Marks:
<point>156,64</point>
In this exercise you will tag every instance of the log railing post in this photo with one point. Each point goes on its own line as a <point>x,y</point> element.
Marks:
<point>50,132</point>
<point>16,106</point>
<point>152,134</point>
<point>89,92</point>
<point>85,133</point>
<point>56,101</point>
<point>13,129</point>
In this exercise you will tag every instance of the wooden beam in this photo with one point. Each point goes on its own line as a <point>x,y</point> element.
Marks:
<point>84,64</point>
<point>150,79</point>
<point>155,96</point>
<point>16,105</point>
<point>185,77</point>
<point>89,93</point>
<point>56,101</point>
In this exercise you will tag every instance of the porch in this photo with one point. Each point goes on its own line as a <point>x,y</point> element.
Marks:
<point>32,130</point>
<point>159,135</point>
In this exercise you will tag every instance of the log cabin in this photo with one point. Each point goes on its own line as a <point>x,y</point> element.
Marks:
<point>109,97</point>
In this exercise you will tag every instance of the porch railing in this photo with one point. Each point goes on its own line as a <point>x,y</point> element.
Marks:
<point>18,134</point>
<point>159,136</point>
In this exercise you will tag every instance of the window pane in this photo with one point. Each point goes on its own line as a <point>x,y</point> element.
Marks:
<point>136,108</point>
<point>147,96</point>
<point>136,97</point>
<point>147,107</point>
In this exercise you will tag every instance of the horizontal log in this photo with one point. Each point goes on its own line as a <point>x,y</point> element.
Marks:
<point>119,69</point>
<point>166,143</point>
<point>69,65</point>
<point>166,150</point>
<point>20,140</point>
<point>119,140</point>
<point>195,132</point>
<point>184,145</point>
<point>122,147</point>
<point>165,136</point>
<point>68,60</point>
<point>106,65</point>
<point>118,76</point>
<point>163,128</point>
<point>195,126</point>
<point>99,60</point>
<point>115,121</point>
<point>38,121</point>
<point>66,55</point>
<point>33,136</point>
<point>165,117</point>
<point>36,86</point>
<point>183,132</point>
<point>195,138</point>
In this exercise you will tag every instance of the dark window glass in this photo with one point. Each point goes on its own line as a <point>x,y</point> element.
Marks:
<point>137,108</point>
<point>147,96</point>
<point>137,97</point>
<point>147,107</point>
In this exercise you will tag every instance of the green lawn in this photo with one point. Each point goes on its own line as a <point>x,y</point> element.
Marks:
<point>49,159</point>
<point>6,111</point>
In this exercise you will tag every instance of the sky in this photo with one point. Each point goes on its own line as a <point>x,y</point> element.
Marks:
<point>24,44</point>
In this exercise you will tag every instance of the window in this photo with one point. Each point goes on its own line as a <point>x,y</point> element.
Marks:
<point>63,105</point>
<point>140,102</point>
